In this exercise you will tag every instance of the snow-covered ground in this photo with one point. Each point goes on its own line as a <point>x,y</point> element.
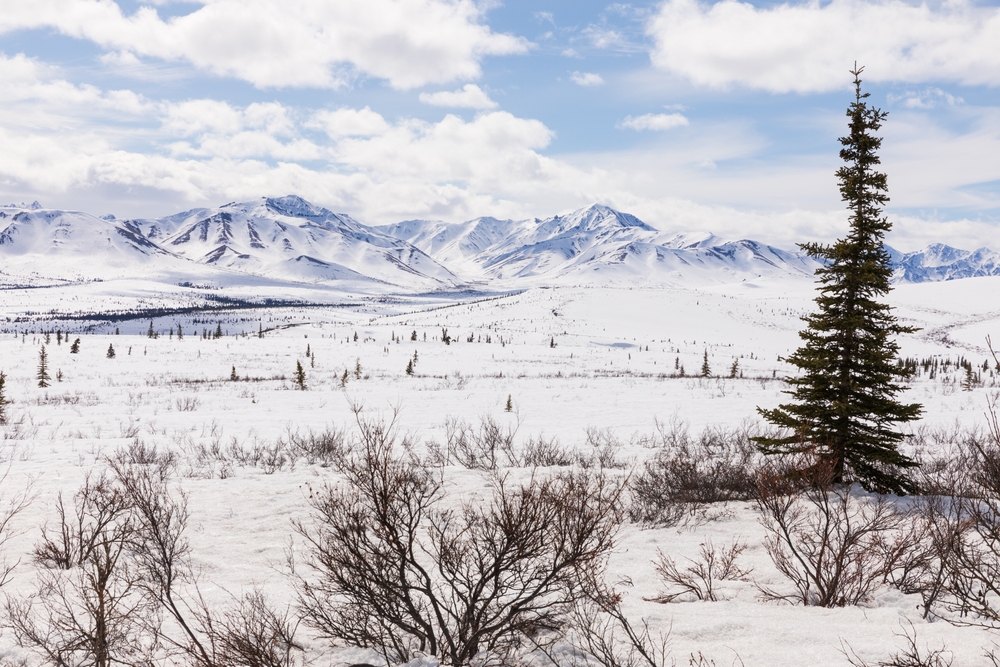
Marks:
<point>570,358</point>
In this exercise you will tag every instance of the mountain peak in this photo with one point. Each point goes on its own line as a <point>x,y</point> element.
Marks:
<point>294,206</point>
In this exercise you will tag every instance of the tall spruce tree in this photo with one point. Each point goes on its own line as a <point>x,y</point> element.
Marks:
<point>844,410</point>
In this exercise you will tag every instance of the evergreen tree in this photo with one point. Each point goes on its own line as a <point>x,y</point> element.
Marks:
<point>413,336</point>
<point>734,370</point>
<point>308,350</point>
<point>218,330</point>
<point>300,375</point>
<point>844,408</point>
<point>75,347</point>
<point>43,368</point>
<point>706,370</point>
<point>180,332</point>
<point>409,367</point>
<point>3,399</point>
<point>510,404</point>
<point>232,375</point>
<point>343,378</point>
<point>111,351</point>
<point>150,333</point>
<point>357,369</point>
<point>260,330</point>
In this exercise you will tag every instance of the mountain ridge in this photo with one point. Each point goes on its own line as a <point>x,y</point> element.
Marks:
<point>290,239</point>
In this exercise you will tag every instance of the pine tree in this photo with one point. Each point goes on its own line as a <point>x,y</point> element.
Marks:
<point>844,409</point>
<point>510,404</point>
<point>343,378</point>
<point>3,399</point>
<point>111,351</point>
<point>43,368</point>
<point>706,370</point>
<point>300,375</point>
<point>232,375</point>
<point>180,332</point>
<point>409,367</point>
<point>150,333</point>
<point>75,347</point>
<point>734,370</point>
<point>357,369</point>
<point>218,330</point>
<point>260,330</point>
<point>413,336</point>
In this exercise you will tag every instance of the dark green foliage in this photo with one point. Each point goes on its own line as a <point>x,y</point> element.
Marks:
<point>3,399</point>
<point>510,405</point>
<point>111,351</point>
<point>706,370</point>
<point>218,331</point>
<point>734,370</point>
<point>151,333</point>
<point>180,332</point>
<point>75,347</point>
<point>413,336</point>
<point>300,375</point>
<point>552,342</point>
<point>43,368</point>
<point>409,367</point>
<point>845,411</point>
<point>232,375</point>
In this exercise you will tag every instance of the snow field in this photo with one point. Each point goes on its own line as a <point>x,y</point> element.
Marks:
<point>177,395</point>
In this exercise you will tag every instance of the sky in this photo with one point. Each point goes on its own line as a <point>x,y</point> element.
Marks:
<point>693,116</point>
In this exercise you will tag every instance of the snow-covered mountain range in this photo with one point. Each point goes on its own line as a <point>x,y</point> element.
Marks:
<point>289,239</point>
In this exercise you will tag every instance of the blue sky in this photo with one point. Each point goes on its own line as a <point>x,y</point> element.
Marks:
<point>719,117</point>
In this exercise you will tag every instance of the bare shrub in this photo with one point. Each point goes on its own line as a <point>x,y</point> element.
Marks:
<point>687,475</point>
<point>88,608</point>
<point>139,453</point>
<point>187,403</point>
<point>604,449</point>
<point>394,571</point>
<point>603,634</point>
<point>835,548</point>
<point>10,507</point>
<point>326,448</point>
<point>909,656</point>
<point>251,634</point>
<point>699,578</point>
<point>544,453</point>
<point>483,448</point>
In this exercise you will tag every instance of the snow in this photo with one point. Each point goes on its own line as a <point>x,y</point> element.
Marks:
<point>176,394</point>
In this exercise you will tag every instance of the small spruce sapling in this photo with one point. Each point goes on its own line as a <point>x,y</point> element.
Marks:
<point>75,347</point>
<point>218,330</point>
<point>59,375</point>
<point>552,342</point>
<point>43,368</point>
<point>413,336</point>
<point>232,374</point>
<point>111,351</point>
<point>357,369</point>
<point>734,370</point>
<point>150,333</point>
<point>343,378</point>
<point>3,399</point>
<point>409,367</point>
<point>300,375</point>
<point>510,405</point>
<point>180,332</point>
<point>706,370</point>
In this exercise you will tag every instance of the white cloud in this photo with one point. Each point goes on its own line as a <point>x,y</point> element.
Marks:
<point>347,122</point>
<point>586,79</point>
<point>925,99</point>
<point>654,121</point>
<point>470,96</point>
<point>65,143</point>
<point>278,43</point>
<point>809,46</point>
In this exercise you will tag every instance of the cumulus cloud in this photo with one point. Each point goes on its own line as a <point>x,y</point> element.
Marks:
<point>925,99</point>
<point>278,43</point>
<point>654,121</point>
<point>470,96</point>
<point>809,46</point>
<point>346,122</point>
<point>586,79</point>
